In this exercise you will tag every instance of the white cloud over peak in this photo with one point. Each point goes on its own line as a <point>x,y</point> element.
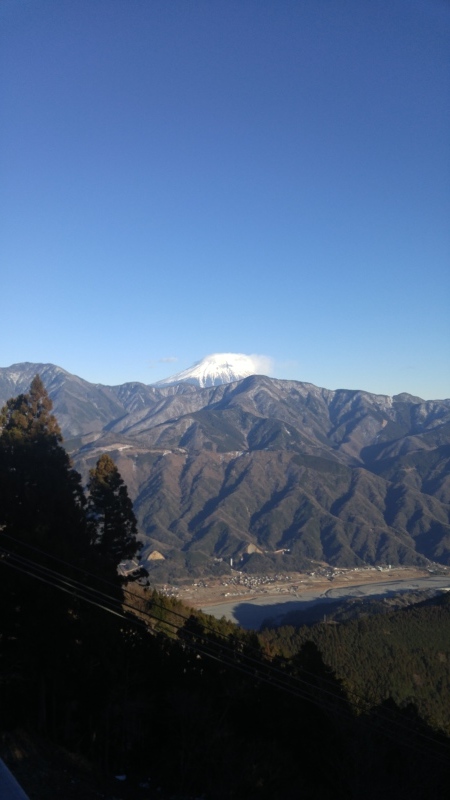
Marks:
<point>264,365</point>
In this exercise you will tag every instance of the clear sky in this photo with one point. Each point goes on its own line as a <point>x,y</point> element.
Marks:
<point>184,177</point>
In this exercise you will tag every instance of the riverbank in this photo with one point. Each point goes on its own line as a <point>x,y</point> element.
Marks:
<point>250,606</point>
<point>214,591</point>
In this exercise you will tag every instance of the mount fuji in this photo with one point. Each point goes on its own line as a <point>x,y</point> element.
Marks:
<point>219,368</point>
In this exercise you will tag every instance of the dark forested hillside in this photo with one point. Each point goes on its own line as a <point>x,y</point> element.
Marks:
<point>402,654</point>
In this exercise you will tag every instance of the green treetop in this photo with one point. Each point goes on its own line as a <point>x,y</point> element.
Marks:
<point>28,416</point>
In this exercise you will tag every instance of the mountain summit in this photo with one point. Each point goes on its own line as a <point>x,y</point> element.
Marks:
<point>218,368</point>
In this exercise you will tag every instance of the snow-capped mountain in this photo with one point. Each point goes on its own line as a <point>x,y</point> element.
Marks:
<point>219,368</point>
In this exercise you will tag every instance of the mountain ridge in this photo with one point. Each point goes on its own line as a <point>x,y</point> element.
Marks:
<point>266,472</point>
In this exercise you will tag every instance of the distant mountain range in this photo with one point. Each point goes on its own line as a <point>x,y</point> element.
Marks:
<point>275,475</point>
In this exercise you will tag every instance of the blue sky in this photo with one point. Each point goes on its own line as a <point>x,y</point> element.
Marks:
<point>196,176</point>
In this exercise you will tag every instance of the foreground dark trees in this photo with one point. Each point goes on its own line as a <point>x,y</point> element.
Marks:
<point>42,499</point>
<point>42,518</point>
<point>54,585</point>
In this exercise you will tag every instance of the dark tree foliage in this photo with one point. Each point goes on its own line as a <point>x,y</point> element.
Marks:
<point>30,415</point>
<point>42,499</point>
<point>47,637</point>
<point>403,654</point>
<point>110,510</point>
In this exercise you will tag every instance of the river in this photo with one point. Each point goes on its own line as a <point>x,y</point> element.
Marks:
<point>253,612</point>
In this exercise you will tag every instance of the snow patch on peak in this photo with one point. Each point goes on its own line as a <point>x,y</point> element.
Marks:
<point>219,368</point>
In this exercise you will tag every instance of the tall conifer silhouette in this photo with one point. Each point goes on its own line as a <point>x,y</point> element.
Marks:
<point>110,510</point>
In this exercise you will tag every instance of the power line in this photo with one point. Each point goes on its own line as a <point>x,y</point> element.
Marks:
<point>185,618</point>
<point>222,652</point>
<point>253,662</point>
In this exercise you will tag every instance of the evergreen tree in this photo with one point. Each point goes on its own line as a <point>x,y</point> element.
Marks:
<point>42,518</point>
<point>29,415</point>
<point>110,510</point>
<point>63,662</point>
<point>41,496</point>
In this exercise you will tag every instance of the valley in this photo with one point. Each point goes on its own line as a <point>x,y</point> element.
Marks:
<point>220,597</point>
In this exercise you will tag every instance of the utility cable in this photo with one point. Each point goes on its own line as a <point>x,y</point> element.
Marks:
<point>185,618</point>
<point>252,667</point>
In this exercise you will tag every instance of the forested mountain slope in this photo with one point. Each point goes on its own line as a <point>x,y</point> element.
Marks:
<point>402,654</point>
<point>270,473</point>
